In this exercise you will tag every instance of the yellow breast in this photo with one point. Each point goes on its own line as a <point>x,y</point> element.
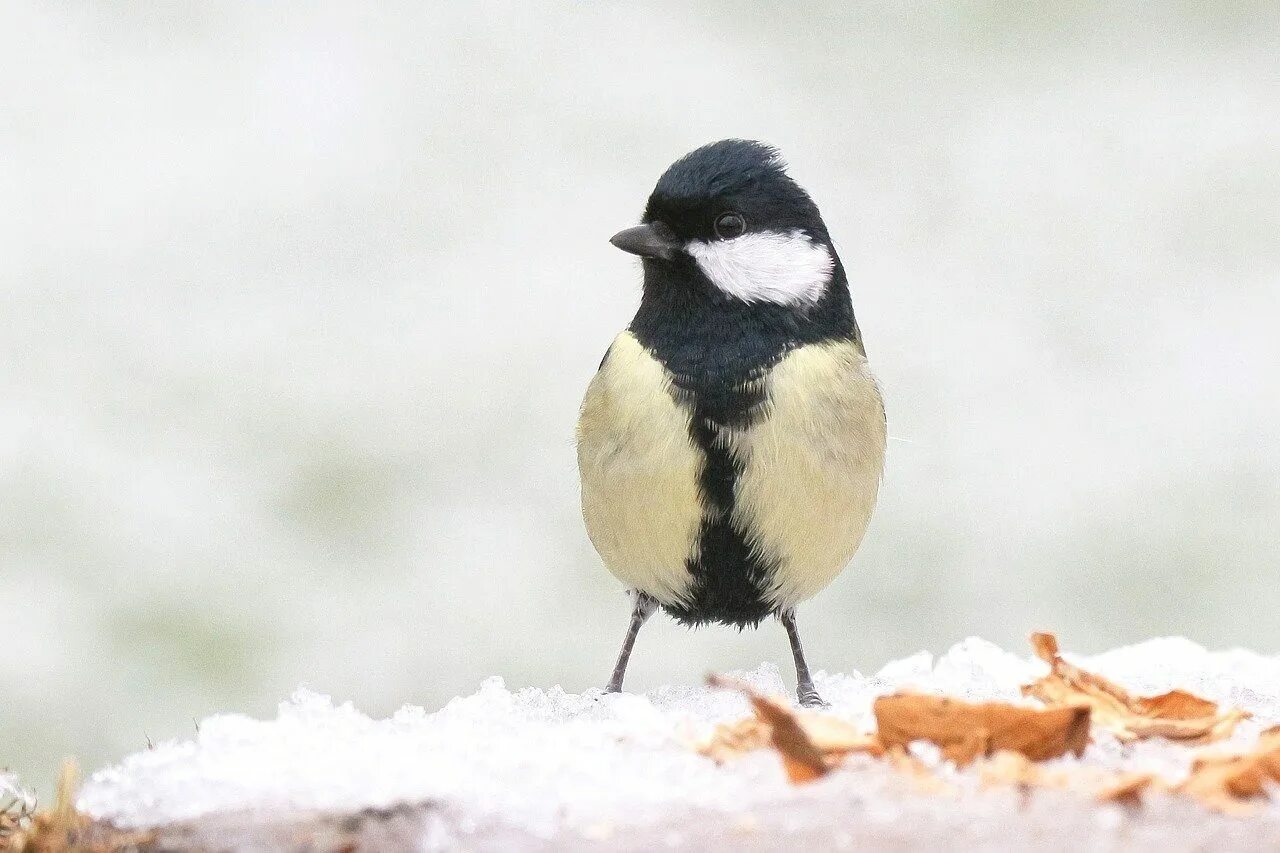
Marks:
<point>811,467</point>
<point>639,471</point>
<point>807,471</point>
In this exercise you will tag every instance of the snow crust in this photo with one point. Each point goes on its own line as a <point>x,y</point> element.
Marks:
<point>546,760</point>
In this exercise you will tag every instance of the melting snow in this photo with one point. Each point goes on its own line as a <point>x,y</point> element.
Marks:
<point>543,759</point>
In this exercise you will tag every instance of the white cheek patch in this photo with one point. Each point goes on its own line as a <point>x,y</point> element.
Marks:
<point>788,269</point>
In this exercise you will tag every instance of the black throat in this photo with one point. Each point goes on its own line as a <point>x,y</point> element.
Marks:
<point>719,351</point>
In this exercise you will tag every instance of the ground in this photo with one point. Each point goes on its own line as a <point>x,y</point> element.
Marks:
<point>536,769</point>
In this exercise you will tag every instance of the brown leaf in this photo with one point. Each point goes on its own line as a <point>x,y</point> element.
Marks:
<point>1126,788</point>
<point>54,830</point>
<point>920,774</point>
<point>1176,715</point>
<point>1227,783</point>
<point>800,755</point>
<point>732,740</point>
<point>837,738</point>
<point>965,730</point>
<point>810,744</point>
<point>1011,768</point>
<point>1006,740</point>
<point>62,829</point>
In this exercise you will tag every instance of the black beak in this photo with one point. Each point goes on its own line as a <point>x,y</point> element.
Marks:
<point>647,241</point>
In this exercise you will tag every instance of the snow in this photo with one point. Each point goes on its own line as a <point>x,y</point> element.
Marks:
<point>545,760</point>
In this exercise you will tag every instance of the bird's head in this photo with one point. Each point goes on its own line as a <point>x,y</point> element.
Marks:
<point>729,219</point>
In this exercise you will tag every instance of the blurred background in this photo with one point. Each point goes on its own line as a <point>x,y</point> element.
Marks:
<point>299,303</point>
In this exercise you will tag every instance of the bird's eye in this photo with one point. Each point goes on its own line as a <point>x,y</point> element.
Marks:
<point>730,225</point>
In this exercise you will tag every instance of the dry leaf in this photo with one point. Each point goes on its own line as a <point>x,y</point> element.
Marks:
<point>1127,788</point>
<point>801,756</point>
<point>1226,783</point>
<point>731,740</point>
<point>1177,715</point>
<point>1007,739</point>
<point>921,775</point>
<point>810,744</point>
<point>1012,768</point>
<point>837,738</point>
<point>965,730</point>
<point>56,829</point>
<point>62,829</point>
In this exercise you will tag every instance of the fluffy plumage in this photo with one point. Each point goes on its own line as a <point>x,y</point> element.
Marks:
<point>732,441</point>
<point>640,473</point>
<point>730,519</point>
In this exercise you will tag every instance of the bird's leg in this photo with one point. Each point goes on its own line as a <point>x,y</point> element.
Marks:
<point>805,691</point>
<point>645,605</point>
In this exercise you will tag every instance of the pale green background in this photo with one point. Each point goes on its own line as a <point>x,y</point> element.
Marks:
<point>299,302</point>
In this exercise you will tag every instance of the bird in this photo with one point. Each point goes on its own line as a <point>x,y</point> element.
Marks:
<point>731,443</point>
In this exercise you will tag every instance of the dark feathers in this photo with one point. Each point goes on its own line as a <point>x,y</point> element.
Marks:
<point>733,174</point>
<point>718,348</point>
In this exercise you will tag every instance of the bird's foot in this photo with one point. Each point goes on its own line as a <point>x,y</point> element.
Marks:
<point>809,698</point>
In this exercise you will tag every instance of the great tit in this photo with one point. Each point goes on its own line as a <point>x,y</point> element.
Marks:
<point>732,441</point>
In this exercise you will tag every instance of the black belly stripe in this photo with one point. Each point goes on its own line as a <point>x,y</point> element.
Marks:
<point>729,576</point>
<point>719,350</point>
